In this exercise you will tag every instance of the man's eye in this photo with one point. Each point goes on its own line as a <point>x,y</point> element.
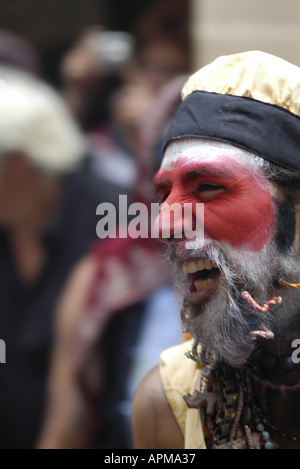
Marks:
<point>209,191</point>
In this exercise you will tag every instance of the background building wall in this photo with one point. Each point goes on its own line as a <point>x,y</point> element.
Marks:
<point>221,27</point>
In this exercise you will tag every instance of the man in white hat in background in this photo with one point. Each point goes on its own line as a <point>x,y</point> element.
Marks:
<point>48,200</point>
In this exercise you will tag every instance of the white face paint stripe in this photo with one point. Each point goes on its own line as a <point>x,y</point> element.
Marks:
<point>196,148</point>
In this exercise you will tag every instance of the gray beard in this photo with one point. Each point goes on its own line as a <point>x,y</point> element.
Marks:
<point>223,323</point>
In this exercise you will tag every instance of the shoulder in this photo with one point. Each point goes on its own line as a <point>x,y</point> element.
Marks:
<point>153,423</point>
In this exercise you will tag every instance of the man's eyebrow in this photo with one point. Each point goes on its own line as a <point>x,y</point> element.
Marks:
<point>162,183</point>
<point>210,172</point>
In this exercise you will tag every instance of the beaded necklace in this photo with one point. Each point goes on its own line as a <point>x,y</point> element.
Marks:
<point>275,387</point>
<point>227,407</point>
<point>259,416</point>
<point>227,404</point>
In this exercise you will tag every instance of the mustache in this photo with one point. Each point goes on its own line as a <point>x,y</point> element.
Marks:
<point>211,250</point>
<point>242,268</point>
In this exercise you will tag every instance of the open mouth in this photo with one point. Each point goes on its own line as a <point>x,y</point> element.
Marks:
<point>203,275</point>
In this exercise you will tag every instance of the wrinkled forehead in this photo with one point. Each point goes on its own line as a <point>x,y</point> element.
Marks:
<point>189,150</point>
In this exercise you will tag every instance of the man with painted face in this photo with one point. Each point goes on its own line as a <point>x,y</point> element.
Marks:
<point>234,146</point>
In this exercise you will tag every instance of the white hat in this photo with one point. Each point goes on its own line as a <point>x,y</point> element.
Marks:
<point>35,121</point>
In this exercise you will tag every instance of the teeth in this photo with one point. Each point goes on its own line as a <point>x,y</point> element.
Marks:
<point>201,285</point>
<point>194,267</point>
<point>200,266</point>
<point>190,268</point>
<point>208,265</point>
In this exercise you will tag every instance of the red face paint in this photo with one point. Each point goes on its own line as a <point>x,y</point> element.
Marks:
<point>238,211</point>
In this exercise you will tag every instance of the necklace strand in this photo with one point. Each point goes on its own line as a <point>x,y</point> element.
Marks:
<point>259,413</point>
<point>275,387</point>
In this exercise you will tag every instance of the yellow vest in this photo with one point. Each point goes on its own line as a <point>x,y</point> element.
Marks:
<point>180,376</point>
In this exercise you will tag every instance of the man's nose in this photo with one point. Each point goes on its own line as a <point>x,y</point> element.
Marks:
<point>179,222</point>
<point>169,224</point>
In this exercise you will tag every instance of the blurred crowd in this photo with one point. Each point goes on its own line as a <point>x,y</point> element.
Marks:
<point>83,319</point>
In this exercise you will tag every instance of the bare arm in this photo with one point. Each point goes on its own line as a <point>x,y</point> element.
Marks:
<point>153,423</point>
<point>69,420</point>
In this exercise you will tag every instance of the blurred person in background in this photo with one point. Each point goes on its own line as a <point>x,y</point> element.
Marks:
<point>90,73</point>
<point>48,200</point>
<point>157,62</point>
<point>114,146</point>
<point>111,116</point>
<point>116,315</point>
